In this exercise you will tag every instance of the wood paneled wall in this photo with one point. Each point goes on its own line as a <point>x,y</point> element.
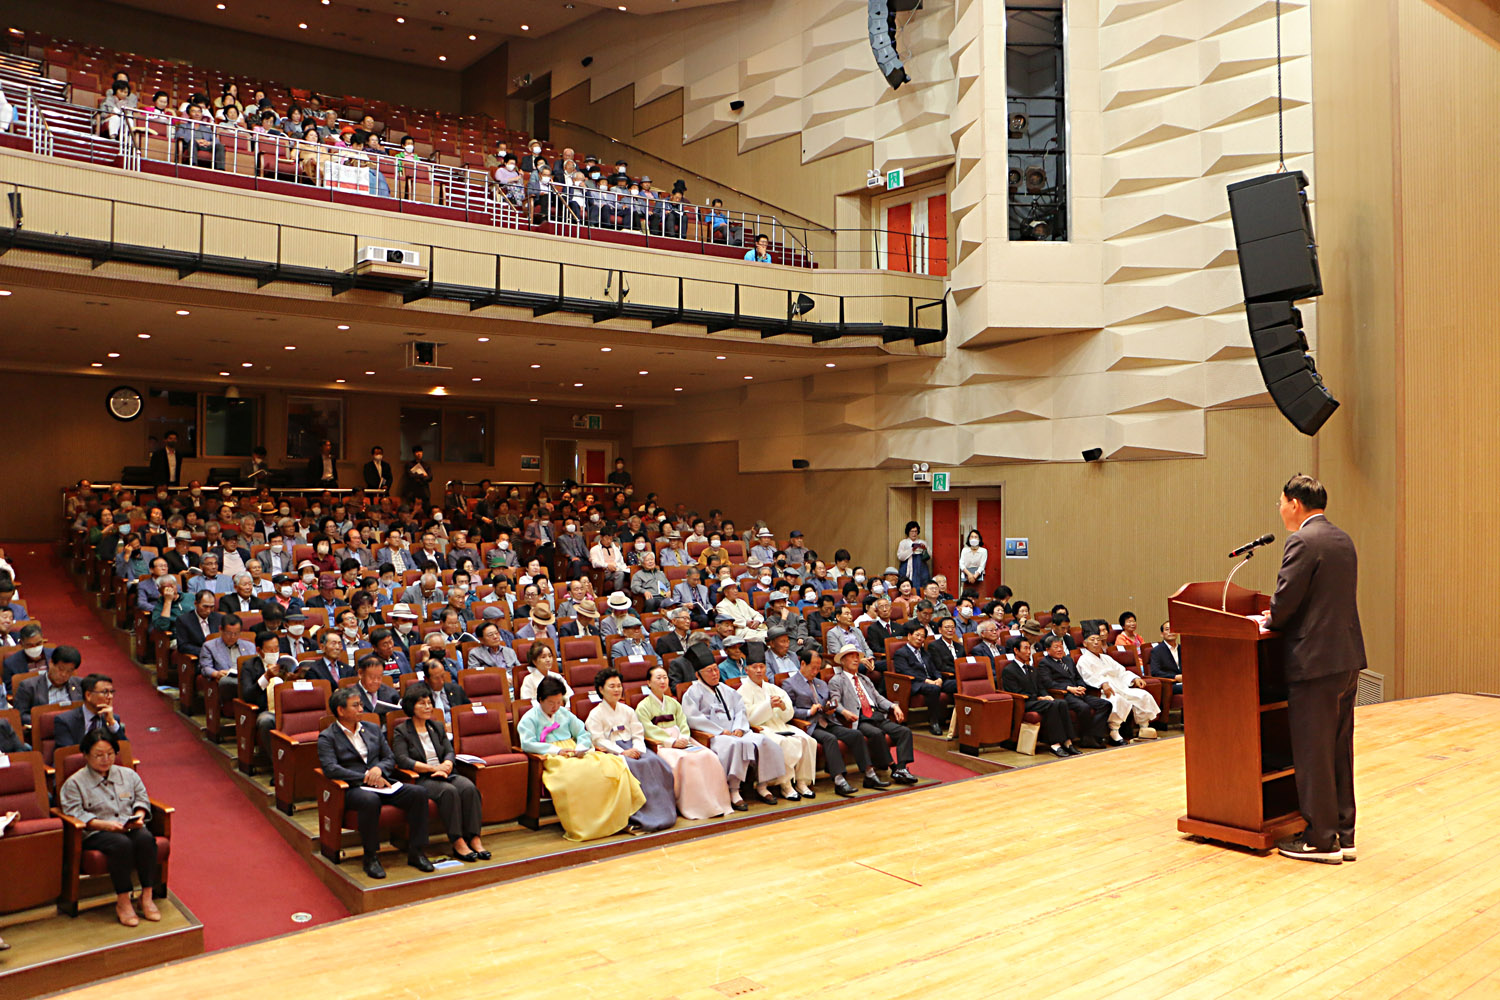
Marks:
<point>1450,198</point>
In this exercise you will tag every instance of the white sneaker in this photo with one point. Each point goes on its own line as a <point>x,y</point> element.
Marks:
<point>1145,733</point>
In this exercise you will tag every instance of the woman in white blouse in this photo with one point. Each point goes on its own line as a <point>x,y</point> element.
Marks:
<point>422,746</point>
<point>972,560</point>
<point>614,728</point>
<point>541,661</point>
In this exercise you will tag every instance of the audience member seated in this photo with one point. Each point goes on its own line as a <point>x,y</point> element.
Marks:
<point>813,704</point>
<point>720,228</point>
<point>333,666</point>
<point>258,680</point>
<point>32,655</point>
<point>1018,676</point>
<point>1166,657</point>
<point>96,714</point>
<point>219,656</point>
<point>1125,690</point>
<point>749,624</point>
<point>422,746</point>
<point>112,803</point>
<point>856,700</point>
<point>717,709</point>
<point>593,792</point>
<point>1129,637</point>
<point>769,710</point>
<point>445,692</point>
<point>700,788</point>
<point>356,752</point>
<point>53,685</point>
<point>928,683</point>
<point>541,663</point>
<point>632,641</point>
<point>375,695</point>
<point>1060,673</point>
<point>732,667</point>
<point>614,728</point>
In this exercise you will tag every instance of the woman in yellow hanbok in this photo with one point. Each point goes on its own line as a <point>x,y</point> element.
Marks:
<point>594,792</point>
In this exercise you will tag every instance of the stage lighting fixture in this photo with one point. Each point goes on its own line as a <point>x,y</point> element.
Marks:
<point>1017,124</point>
<point>1093,454</point>
<point>1036,180</point>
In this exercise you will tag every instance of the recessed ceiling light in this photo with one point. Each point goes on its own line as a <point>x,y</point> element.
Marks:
<point>183,312</point>
<point>606,350</point>
<point>220,6</point>
<point>829,364</point>
<point>484,340</point>
<point>340,380</point>
<point>643,372</point>
<point>619,406</point>
<point>400,20</point>
<point>225,374</point>
<point>442,58</point>
<point>525,27</point>
<point>4,292</point>
<point>438,390</point>
<point>247,364</point>
<point>536,366</point>
<point>531,400</point>
<point>343,326</point>
<point>144,336</point>
<point>719,357</point>
<point>677,388</point>
<point>114,354</point>
<point>474,379</point>
<point>622,6</point>
<point>578,385</point>
<point>749,377</point>
<point>96,364</point>
<point>291,347</point>
<point>302,25</point>
<point>369,373</point>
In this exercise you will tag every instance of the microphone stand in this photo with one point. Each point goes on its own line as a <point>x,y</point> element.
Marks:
<point>1224,601</point>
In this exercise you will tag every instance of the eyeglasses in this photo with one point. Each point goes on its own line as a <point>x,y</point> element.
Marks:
<point>105,692</point>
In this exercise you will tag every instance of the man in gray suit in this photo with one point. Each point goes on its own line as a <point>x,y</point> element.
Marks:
<point>875,716</point>
<point>1314,609</point>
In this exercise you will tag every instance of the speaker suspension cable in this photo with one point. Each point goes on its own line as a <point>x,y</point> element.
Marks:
<point>1280,125</point>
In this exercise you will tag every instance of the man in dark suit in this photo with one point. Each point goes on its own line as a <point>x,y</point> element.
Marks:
<point>675,641</point>
<point>323,468</point>
<point>255,679</point>
<point>241,600</point>
<point>1166,657</point>
<point>810,703</point>
<point>880,628</point>
<point>989,642</point>
<point>418,484</point>
<point>1315,610</point>
<point>96,712</point>
<point>697,656</point>
<point>356,752</point>
<point>445,692</point>
<point>32,654</point>
<point>166,463</point>
<point>375,695</point>
<point>1060,673</point>
<point>192,628</point>
<point>944,647</point>
<point>393,660</point>
<point>377,471</point>
<point>928,684</point>
<point>180,558</point>
<point>1019,677</point>
<point>331,666</point>
<point>54,686</point>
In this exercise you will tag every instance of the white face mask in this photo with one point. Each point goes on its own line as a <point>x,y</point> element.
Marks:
<point>438,518</point>
<point>461,588</point>
<point>404,628</point>
<point>33,652</point>
<point>877,587</point>
<point>352,631</point>
<point>594,517</point>
<point>504,546</point>
<point>309,579</point>
<point>765,581</point>
<point>286,591</point>
<point>973,543</point>
<point>570,528</point>
<point>297,629</point>
<point>640,546</point>
<point>195,491</point>
<point>286,511</point>
<point>859,578</point>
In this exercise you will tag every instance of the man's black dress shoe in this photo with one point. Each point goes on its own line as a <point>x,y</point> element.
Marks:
<point>373,869</point>
<point>420,862</point>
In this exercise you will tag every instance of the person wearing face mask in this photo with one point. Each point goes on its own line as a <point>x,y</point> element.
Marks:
<point>715,550</point>
<point>572,546</point>
<point>972,560</point>
<point>33,654</point>
<point>540,533</point>
<point>502,555</point>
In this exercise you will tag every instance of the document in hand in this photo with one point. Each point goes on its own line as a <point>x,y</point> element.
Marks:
<point>469,758</point>
<point>390,789</point>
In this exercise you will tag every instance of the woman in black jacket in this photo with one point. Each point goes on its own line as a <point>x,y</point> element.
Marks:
<point>422,746</point>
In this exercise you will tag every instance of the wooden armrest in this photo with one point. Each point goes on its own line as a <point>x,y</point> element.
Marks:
<point>71,821</point>
<point>702,737</point>
<point>160,822</point>
<point>277,734</point>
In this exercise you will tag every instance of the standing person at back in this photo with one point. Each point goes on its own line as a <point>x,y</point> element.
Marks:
<point>1315,609</point>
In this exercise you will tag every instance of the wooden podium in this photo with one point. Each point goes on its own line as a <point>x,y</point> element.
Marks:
<point>1241,787</point>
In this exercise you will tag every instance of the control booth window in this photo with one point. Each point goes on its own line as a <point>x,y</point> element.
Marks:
<point>447,434</point>
<point>1037,120</point>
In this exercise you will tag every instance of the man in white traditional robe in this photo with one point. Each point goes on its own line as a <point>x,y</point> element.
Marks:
<point>748,623</point>
<point>717,708</point>
<point>769,711</point>
<point>1124,690</point>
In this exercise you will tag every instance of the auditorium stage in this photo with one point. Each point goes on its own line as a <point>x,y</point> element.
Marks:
<point>1060,881</point>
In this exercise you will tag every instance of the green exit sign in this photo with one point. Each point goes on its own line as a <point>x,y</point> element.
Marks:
<point>895,179</point>
<point>940,482</point>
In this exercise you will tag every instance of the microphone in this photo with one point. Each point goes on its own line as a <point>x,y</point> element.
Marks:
<point>1265,539</point>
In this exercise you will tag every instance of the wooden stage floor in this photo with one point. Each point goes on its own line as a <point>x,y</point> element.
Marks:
<point>1051,882</point>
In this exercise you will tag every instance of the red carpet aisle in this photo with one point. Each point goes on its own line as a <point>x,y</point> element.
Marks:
<point>230,868</point>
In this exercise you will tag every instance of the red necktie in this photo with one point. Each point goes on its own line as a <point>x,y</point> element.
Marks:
<point>864,702</point>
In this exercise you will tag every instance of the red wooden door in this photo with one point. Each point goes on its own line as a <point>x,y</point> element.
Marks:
<point>937,235</point>
<point>594,470</point>
<point>990,529</point>
<point>898,237</point>
<point>945,539</point>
